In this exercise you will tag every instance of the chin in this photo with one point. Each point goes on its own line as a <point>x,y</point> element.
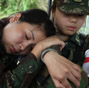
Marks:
<point>70,33</point>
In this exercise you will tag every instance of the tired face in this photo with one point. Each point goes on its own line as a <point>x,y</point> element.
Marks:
<point>20,38</point>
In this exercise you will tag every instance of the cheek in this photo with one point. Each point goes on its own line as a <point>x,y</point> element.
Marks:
<point>80,23</point>
<point>60,21</point>
<point>17,37</point>
<point>59,25</point>
<point>13,39</point>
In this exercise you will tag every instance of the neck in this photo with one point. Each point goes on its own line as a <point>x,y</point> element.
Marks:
<point>63,37</point>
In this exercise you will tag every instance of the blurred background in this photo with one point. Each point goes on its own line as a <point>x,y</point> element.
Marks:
<point>8,7</point>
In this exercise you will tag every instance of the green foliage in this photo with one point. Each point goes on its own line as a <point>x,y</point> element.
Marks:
<point>8,7</point>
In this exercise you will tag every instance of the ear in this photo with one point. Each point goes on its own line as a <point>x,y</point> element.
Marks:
<point>15,18</point>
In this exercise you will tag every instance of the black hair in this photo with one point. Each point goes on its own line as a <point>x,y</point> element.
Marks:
<point>3,23</point>
<point>32,16</point>
<point>6,59</point>
<point>39,17</point>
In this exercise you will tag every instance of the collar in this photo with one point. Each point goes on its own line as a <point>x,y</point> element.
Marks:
<point>75,39</point>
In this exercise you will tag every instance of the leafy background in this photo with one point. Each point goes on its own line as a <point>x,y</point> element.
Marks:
<point>8,7</point>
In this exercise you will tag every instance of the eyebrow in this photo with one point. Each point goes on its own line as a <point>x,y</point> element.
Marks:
<point>32,32</point>
<point>32,35</point>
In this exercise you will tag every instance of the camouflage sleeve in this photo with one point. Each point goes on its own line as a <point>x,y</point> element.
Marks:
<point>26,70</point>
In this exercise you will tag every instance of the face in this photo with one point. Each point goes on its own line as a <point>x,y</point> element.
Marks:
<point>20,38</point>
<point>67,24</point>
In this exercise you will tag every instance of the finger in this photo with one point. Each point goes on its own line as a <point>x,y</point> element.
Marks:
<point>77,67</point>
<point>66,83</point>
<point>74,70</point>
<point>74,80</point>
<point>58,84</point>
<point>76,73</point>
<point>62,45</point>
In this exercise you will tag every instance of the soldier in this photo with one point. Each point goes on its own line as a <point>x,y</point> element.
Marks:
<point>18,35</point>
<point>18,71</point>
<point>43,79</point>
<point>68,16</point>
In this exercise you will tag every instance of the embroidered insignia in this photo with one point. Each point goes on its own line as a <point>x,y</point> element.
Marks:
<point>77,0</point>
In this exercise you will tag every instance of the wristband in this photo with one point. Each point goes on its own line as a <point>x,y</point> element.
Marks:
<point>45,51</point>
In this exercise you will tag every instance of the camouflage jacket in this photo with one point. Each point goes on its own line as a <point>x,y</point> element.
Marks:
<point>73,51</point>
<point>31,73</point>
<point>22,75</point>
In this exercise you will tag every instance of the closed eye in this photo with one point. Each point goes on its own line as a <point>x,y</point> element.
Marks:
<point>26,37</point>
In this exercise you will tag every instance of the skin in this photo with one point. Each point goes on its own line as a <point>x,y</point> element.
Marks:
<point>67,25</point>
<point>59,76</point>
<point>22,38</point>
<point>39,47</point>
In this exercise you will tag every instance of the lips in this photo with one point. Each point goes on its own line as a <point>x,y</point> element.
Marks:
<point>71,28</point>
<point>13,50</point>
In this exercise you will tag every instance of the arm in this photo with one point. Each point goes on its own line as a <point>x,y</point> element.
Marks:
<point>24,73</point>
<point>65,68</point>
<point>39,47</point>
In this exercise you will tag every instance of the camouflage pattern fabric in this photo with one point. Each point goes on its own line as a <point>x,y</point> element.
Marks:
<point>38,77</point>
<point>17,78</point>
<point>73,6</point>
<point>72,51</point>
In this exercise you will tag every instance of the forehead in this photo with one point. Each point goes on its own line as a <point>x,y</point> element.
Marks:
<point>19,25</point>
<point>22,27</point>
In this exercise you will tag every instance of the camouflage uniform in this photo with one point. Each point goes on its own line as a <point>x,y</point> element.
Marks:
<point>72,51</point>
<point>31,73</point>
<point>22,75</point>
<point>36,77</point>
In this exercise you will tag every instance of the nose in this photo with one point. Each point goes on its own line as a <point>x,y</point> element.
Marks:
<point>24,45</point>
<point>73,18</point>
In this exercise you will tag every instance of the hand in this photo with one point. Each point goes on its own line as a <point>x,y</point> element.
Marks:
<point>61,69</point>
<point>39,47</point>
